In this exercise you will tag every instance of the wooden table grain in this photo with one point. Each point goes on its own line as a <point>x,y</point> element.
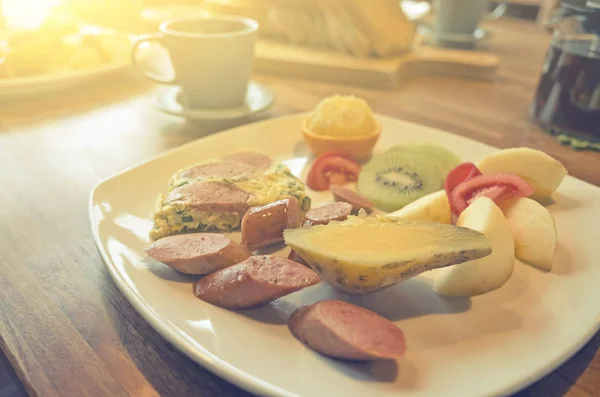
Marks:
<point>65,327</point>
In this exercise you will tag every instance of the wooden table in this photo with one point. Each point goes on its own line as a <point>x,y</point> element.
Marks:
<point>65,327</point>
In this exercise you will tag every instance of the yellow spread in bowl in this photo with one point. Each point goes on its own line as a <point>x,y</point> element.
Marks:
<point>343,124</point>
<point>342,116</point>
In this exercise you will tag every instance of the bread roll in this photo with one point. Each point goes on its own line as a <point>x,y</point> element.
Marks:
<point>362,28</point>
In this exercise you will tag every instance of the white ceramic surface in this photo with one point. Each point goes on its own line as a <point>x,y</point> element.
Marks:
<point>258,99</point>
<point>55,82</point>
<point>489,345</point>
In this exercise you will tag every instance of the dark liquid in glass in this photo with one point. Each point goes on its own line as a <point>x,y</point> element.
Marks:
<point>567,100</point>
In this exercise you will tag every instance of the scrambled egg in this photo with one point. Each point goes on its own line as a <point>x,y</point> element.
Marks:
<point>264,188</point>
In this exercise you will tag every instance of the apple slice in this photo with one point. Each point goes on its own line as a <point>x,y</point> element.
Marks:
<point>542,171</point>
<point>433,207</point>
<point>486,274</point>
<point>534,231</point>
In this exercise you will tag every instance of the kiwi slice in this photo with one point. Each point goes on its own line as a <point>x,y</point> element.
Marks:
<point>438,155</point>
<point>394,179</point>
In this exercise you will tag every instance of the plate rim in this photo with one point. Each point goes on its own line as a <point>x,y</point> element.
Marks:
<point>237,376</point>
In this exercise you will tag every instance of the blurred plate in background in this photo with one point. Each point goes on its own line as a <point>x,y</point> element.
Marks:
<point>116,44</point>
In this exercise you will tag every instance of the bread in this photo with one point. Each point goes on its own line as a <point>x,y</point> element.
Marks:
<point>363,28</point>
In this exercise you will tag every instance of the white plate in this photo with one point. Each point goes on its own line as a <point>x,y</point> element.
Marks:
<point>494,344</point>
<point>54,82</point>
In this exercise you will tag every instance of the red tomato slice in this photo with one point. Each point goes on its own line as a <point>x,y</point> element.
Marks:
<point>331,167</point>
<point>498,187</point>
<point>462,172</point>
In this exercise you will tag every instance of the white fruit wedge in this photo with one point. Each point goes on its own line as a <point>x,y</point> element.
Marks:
<point>533,230</point>
<point>486,274</point>
<point>542,171</point>
<point>433,207</point>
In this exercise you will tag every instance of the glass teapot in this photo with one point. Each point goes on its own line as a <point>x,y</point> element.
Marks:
<point>567,99</point>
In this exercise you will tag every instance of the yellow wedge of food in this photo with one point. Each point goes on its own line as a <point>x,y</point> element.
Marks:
<point>365,254</point>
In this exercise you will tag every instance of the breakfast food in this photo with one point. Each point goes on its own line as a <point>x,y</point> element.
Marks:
<point>214,195</point>
<point>342,116</point>
<point>484,274</point>
<point>254,282</point>
<point>433,207</point>
<point>376,28</point>
<point>543,172</point>
<point>264,225</point>
<point>59,47</point>
<point>346,331</point>
<point>533,229</point>
<point>342,124</point>
<point>331,168</point>
<point>365,254</point>
<point>441,157</point>
<point>465,183</point>
<point>391,180</point>
<point>346,195</point>
<point>253,158</point>
<point>197,253</point>
<point>497,187</point>
<point>461,173</point>
<point>425,188</point>
<point>213,169</point>
<point>327,213</point>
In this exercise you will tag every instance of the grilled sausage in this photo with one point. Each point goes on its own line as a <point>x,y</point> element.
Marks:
<point>345,195</point>
<point>253,158</point>
<point>210,196</point>
<point>263,226</point>
<point>221,169</point>
<point>327,213</point>
<point>254,282</point>
<point>343,330</point>
<point>198,253</point>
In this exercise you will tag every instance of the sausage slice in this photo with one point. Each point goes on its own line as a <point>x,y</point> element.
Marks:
<point>253,158</point>
<point>221,169</point>
<point>210,196</point>
<point>254,282</point>
<point>343,330</point>
<point>197,253</point>
<point>264,225</point>
<point>345,195</point>
<point>327,213</point>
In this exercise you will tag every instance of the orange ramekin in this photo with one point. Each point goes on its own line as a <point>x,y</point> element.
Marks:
<point>357,147</point>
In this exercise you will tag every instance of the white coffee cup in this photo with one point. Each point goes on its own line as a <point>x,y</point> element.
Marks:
<point>212,58</point>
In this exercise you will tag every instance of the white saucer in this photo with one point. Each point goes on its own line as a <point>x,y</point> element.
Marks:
<point>258,98</point>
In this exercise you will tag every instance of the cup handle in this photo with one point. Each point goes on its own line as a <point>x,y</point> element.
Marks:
<point>497,12</point>
<point>157,37</point>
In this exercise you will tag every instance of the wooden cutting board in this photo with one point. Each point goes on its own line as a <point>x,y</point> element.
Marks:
<point>302,62</point>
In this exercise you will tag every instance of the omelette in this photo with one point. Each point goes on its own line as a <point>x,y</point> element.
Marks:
<point>214,195</point>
